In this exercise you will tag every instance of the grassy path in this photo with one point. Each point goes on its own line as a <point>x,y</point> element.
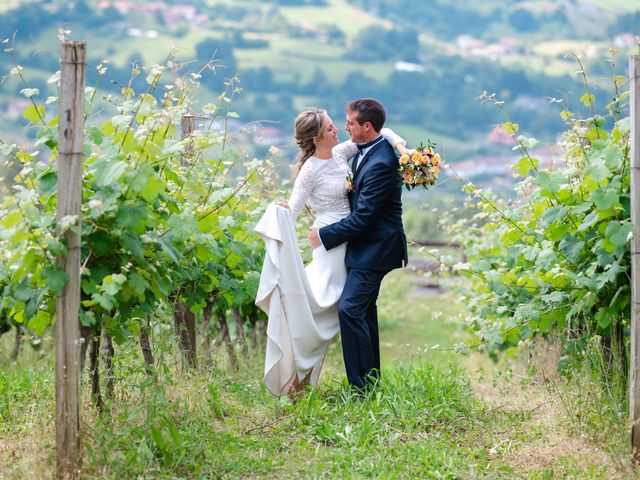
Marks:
<point>435,415</point>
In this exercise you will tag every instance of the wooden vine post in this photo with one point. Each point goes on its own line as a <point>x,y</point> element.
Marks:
<point>634,400</point>
<point>184,319</point>
<point>70,135</point>
<point>187,126</point>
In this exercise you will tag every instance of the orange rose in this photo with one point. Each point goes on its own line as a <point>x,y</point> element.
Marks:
<point>404,159</point>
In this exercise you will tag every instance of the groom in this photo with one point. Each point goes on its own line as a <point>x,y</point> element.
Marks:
<point>376,240</point>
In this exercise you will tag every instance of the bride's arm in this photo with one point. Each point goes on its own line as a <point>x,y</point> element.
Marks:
<point>302,188</point>
<point>348,149</point>
<point>399,143</point>
<point>345,150</point>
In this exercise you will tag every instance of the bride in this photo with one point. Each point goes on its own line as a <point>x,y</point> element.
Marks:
<point>301,302</point>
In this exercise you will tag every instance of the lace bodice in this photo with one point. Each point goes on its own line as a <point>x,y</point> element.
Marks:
<point>323,183</point>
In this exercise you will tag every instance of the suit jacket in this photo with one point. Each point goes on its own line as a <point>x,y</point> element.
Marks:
<point>373,230</point>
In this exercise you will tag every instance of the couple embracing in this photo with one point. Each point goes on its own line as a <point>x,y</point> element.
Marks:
<point>357,237</point>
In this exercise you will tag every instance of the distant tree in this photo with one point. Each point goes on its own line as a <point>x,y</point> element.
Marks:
<point>376,43</point>
<point>440,17</point>
<point>159,16</point>
<point>135,58</point>
<point>25,20</point>
<point>319,84</point>
<point>298,2</point>
<point>237,40</point>
<point>274,107</point>
<point>559,16</point>
<point>111,14</point>
<point>358,84</point>
<point>523,20</point>
<point>82,10</point>
<point>515,80</point>
<point>231,12</point>
<point>258,79</point>
<point>220,50</point>
<point>334,33</point>
<point>181,31</point>
<point>220,53</point>
<point>629,22</point>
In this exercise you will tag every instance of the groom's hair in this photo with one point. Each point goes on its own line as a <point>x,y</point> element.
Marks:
<point>369,110</point>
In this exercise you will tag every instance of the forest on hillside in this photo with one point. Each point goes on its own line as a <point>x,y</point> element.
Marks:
<point>439,94</point>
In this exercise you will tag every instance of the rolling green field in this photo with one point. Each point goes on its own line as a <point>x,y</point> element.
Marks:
<point>9,4</point>
<point>297,50</point>
<point>616,5</point>
<point>338,12</point>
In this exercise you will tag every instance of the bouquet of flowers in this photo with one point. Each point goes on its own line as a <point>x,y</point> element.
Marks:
<point>420,166</point>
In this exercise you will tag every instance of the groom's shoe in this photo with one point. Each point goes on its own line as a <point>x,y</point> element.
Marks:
<point>371,382</point>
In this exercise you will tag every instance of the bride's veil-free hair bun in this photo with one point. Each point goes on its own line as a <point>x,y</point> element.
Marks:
<point>308,125</point>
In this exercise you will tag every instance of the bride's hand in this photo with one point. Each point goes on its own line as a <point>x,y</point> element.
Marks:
<point>314,238</point>
<point>402,150</point>
<point>283,204</point>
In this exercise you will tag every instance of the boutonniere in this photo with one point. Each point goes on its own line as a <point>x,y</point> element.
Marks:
<point>349,183</point>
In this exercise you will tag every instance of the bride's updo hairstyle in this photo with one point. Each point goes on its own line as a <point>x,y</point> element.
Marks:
<point>308,126</point>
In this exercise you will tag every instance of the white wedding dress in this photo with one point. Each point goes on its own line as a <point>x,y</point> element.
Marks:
<point>301,302</point>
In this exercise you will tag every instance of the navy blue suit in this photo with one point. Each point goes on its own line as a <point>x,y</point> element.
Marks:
<point>376,245</point>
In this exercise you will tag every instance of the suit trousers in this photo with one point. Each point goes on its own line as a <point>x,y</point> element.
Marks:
<point>358,314</point>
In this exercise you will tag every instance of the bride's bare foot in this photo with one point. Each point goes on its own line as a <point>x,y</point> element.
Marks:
<point>306,380</point>
<point>295,389</point>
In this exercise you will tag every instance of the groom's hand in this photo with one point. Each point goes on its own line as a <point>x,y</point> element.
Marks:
<point>314,238</point>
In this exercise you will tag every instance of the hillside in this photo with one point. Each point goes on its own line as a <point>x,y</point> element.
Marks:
<point>427,61</point>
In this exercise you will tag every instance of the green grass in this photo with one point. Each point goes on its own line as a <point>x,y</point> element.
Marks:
<point>426,419</point>
<point>226,428</point>
<point>339,13</point>
<point>27,416</point>
<point>421,420</point>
